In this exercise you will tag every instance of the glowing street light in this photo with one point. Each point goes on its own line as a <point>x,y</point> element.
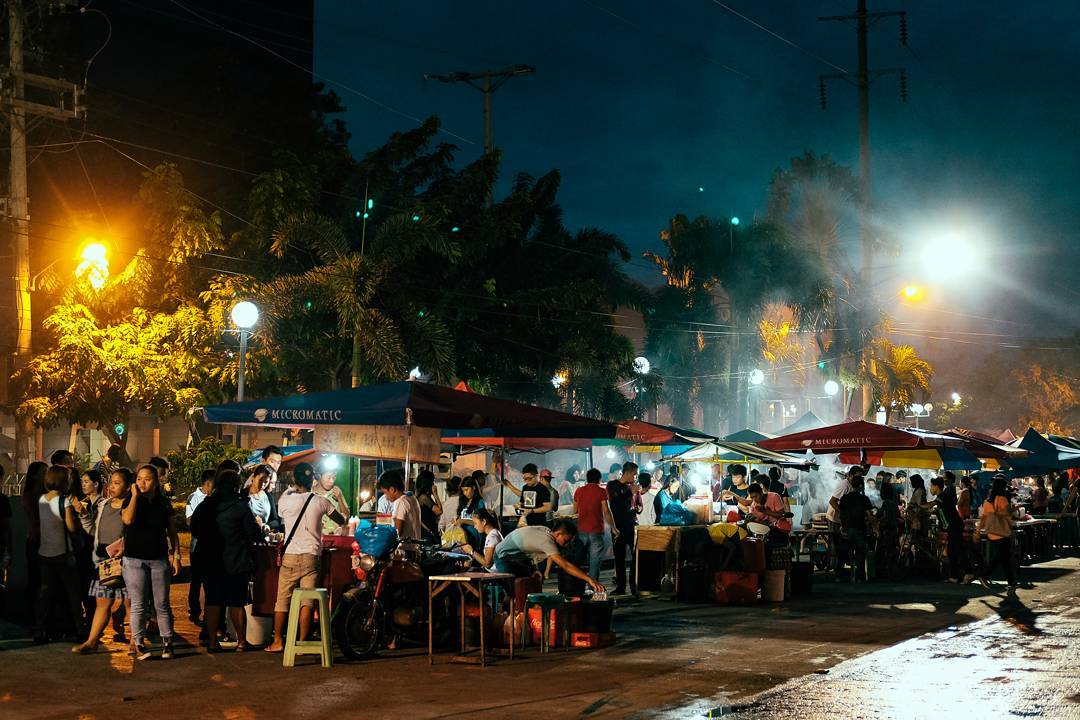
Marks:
<point>956,398</point>
<point>416,374</point>
<point>93,267</point>
<point>244,315</point>
<point>559,379</point>
<point>757,376</point>
<point>831,388</point>
<point>913,293</point>
<point>642,366</point>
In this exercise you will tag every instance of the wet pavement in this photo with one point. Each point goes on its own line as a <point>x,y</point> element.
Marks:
<point>919,650</point>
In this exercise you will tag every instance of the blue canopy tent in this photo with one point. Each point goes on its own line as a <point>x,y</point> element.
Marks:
<point>746,435</point>
<point>409,403</point>
<point>809,421</point>
<point>1045,455</point>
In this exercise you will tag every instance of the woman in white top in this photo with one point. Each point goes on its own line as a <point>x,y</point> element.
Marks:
<point>258,500</point>
<point>488,526</point>
<point>452,504</point>
<point>55,555</point>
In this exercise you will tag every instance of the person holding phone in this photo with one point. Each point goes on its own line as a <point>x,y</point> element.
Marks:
<point>105,525</point>
<point>151,551</point>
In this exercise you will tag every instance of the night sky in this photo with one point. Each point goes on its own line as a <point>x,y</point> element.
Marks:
<point>632,102</point>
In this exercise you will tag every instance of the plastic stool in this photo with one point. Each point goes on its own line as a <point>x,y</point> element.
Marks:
<point>546,602</point>
<point>324,647</point>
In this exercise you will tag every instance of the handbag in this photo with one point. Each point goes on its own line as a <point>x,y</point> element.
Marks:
<point>110,573</point>
<point>299,518</point>
<point>995,524</point>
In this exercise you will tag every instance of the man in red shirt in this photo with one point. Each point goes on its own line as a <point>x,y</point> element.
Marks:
<point>591,506</point>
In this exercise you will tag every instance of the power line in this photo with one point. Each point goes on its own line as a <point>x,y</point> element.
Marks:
<point>778,36</point>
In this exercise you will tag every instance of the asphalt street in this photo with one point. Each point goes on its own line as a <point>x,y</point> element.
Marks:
<point>917,650</point>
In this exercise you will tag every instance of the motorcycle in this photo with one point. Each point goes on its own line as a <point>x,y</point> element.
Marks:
<point>389,600</point>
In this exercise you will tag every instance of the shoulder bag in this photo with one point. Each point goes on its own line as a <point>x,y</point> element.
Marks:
<point>283,546</point>
<point>995,523</point>
<point>109,570</point>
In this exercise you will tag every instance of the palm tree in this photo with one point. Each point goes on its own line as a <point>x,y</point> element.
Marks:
<point>357,290</point>
<point>898,375</point>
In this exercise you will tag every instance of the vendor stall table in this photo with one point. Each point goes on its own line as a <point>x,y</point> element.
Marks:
<point>1037,538</point>
<point>660,538</point>
<point>470,583</point>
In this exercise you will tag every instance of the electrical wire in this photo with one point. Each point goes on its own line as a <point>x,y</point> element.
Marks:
<point>778,36</point>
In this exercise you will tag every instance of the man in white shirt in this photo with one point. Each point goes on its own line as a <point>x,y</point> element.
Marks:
<point>832,513</point>
<point>404,508</point>
<point>302,513</point>
<point>647,516</point>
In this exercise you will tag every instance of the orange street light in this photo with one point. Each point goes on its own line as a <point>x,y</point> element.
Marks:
<point>93,267</point>
<point>913,293</point>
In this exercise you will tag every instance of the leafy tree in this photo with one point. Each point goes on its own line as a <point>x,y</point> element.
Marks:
<point>139,341</point>
<point>186,465</point>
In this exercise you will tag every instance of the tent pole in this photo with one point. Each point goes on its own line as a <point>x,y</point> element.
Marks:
<point>502,484</point>
<point>408,446</point>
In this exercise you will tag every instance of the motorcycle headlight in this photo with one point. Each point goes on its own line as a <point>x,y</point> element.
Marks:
<point>367,562</point>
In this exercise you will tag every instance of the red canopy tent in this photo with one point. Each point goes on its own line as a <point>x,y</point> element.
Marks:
<point>856,435</point>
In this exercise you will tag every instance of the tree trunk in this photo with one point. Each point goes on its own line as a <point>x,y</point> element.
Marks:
<point>356,356</point>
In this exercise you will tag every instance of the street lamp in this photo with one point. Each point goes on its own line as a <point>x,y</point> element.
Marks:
<point>918,410</point>
<point>831,388</point>
<point>93,266</point>
<point>244,315</point>
<point>642,366</point>
<point>757,376</point>
<point>956,398</point>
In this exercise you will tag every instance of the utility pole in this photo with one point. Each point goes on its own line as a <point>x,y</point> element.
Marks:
<point>486,82</point>
<point>862,78</point>
<point>16,106</point>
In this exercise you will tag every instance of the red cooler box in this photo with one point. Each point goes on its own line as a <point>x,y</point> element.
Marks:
<point>735,588</point>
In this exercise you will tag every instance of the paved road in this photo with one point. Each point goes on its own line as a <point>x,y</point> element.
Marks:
<point>890,645</point>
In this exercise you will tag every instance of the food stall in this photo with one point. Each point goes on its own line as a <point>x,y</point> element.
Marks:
<point>402,422</point>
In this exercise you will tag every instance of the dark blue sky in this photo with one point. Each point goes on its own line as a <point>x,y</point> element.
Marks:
<point>632,104</point>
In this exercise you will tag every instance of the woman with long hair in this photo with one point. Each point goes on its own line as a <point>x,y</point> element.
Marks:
<point>471,501</point>
<point>452,504</point>
<point>996,520</point>
<point>104,524</point>
<point>150,541</point>
<point>86,497</point>
<point>261,503</point>
<point>430,509</point>
<point>56,556</point>
<point>487,527</point>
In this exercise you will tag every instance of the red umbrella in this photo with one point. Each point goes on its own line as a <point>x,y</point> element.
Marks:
<point>855,435</point>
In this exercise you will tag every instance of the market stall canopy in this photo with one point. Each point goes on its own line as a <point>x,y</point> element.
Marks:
<point>985,446</point>
<point>746,435</point>
<point>416,403</point>
<point>1045,455</point>
<point>735,452</point>
<point>942,458</point>
<point>856,435</point>
<point>809,421</point>
<point>645,434</point>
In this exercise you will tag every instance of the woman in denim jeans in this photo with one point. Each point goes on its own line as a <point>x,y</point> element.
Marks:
<point>150,540</point>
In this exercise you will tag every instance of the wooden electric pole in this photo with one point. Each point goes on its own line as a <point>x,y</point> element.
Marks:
<point>486,82</point>
<point>62,100</point>
<point>862,79</point>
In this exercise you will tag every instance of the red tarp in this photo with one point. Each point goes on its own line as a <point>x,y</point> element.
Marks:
<point>854,435</point>
<point>643,433</point>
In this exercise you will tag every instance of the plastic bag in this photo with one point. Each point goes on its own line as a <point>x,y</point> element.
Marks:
<point>676,514</point>
<point>454,536</point>
<point>376,541</point>
<point>720,532</point>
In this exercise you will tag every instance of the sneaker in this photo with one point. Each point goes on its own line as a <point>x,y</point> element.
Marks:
<point>167,651</point>
<point>141,650</point>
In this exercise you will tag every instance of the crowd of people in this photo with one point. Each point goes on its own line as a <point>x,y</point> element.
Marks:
<point>103,547</point>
